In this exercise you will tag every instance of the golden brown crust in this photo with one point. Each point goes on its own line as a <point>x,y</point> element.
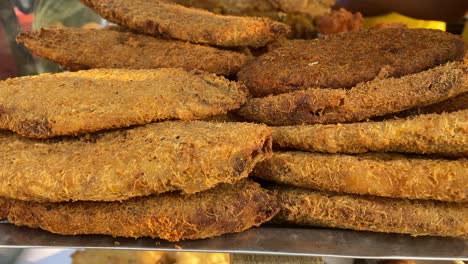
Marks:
<point>445,134</point>
<point>370,213</point>
<point>80,49</point>
<point>156,158</point>
<point>298,14</point>
<point>4,208</point>
<point>346,59</point>
<point>163,18</point>
<point>311,8</point>
<point>375,98</point>
<point>388,175</point>
<point>224,209</point>
<point>456,103</point>
<point>70,103</point>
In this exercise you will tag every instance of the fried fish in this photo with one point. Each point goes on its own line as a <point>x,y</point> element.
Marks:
<point>165,18</point>
<point>344,60</point>
<point>387,175</point>
<point>71,103</point>
<point>80,49</point>
<point>4,208</point>
<point>224,209</point>
<point>378,97</point>
<point>441,134</point>
<point>168,156</point>
<point>369,213</point>
<point>456,103</point>
<point>298,14</point>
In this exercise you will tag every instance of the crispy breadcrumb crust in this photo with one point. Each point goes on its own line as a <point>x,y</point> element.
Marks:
<point>80,49</point>
<point>71,103</point>
<point>4,208</point>
<point>298,14</point>
<point>343,60</point>
<point>310,8</point>
<point>457,103</point>
<point>443,134</point>
<point>370,213</point>
<point>388,175</point>
<point>371,99</point>
<point>224,209</point>
<point>118,165</point>
<point>164,18</point>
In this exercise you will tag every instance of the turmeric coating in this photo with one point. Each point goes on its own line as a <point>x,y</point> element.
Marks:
<point>168,156</point>
<point>389,175</point>
<point>442,134</point>
<point>81,49</point>
<point>72,103</point>
<point>370,213</point>
<point>167,19</point>
<point>172,216</point>
<point>366,100</point>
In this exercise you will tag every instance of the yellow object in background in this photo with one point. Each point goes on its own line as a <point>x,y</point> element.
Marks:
<point>465,32</point>
<point>410,22</point>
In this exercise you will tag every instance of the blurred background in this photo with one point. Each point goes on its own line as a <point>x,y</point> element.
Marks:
<point>322,17</point>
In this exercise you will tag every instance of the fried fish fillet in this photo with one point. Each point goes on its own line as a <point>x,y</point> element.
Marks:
<point>79,49</point>
<point>311,8</point>
<point>298,14</point>
<point>168,156</point>
<point>344,60</point>
<point>164,18</point>
<point>224,209</point>
<point>4,208</point>
<point>453,104</point>
<point>370,213</point>
<point>339,21</point>
<point>378,97</point>
<point>442,134</point>
<point>388,175</point>
<point>70,103</point>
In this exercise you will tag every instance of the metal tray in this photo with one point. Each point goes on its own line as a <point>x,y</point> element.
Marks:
<point>263,240</point>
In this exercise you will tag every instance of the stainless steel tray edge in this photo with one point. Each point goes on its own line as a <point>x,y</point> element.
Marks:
<point>264,240</point>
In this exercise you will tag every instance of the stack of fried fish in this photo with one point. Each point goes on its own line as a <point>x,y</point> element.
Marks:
<point>116,148</point>
<point>119,148</point>
<point>344,160</point>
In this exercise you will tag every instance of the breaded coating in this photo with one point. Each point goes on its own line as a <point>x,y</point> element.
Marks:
<point>441,134</point>
<point>339,21</point>
<point>378,97</point>
<point>312,8</point>
<point>169,156</point>
<point>164,18</point>
<point>388,175</point>
<point>79,49</point>
<point>224,209</point>
<point>298,14</point>
<point>71,103</point>
<point>344,60</point>
<point>371,213</point>
<point>4,208</point>
<point>457,103</point>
